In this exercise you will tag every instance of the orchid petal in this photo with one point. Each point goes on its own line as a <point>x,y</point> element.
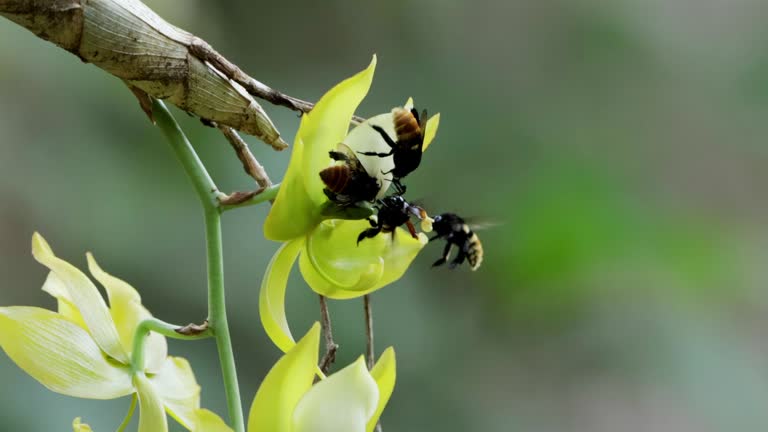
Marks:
<point>127,312</point>
<point>178,389</point>
<point>77,426</point>
<point>343,402</point>
<point>60,354</point>
<point>151,414</point>
<point>285,384</point>
<point>55,287</point>
<point>363,138</point>
<point>84,295</point>
<point>297,206</point>
<point>272,295</point>
<point>430,130</point>
<point>208,421</point>
<point>384,373</point>
<point>408,104</point>
<point>335,266</point>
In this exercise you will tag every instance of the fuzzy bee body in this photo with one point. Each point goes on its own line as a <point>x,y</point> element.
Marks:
<point>406,150</point>
<point>348,183</point>
<point>393,211</point>
<point>456,232</point>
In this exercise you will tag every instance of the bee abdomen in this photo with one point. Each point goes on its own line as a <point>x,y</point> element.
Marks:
<point>336,177</point>
<point>475,252</point>
<point>406,126</point>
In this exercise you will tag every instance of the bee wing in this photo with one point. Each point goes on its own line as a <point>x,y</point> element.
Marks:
<point>476,224</point>
<point>352,160</point>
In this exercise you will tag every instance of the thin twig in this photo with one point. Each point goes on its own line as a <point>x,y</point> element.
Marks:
<point>202,50</point>
<point>330,345</point>
<point>369,351</point>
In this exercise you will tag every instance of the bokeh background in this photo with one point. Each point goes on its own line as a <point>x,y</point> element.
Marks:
<point>621,145</point>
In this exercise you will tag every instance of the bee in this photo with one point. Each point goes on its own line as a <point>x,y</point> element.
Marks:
<point>348,183</point>
<point>406,151</point>
<point>393,211</point>
<point>457,232</point>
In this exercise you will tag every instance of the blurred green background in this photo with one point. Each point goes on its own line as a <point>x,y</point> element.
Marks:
<point>620,144</point>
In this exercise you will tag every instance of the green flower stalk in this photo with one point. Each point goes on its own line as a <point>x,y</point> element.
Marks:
<point>330,260</point>
<point>84,349</point>
<point>351,400</point>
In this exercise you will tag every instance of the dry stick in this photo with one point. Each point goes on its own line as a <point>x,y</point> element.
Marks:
<point>330,345</point>
<point>251,166</point>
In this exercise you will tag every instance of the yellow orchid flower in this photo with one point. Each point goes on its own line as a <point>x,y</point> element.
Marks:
<point>331,261</point>
<point>84,349</point>
<point>351,400</point>
<point>77,426</point>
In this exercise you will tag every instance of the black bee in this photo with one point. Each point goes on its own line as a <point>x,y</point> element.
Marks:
<point>348,183</point>
<point>393,211</point>
<point>406,151</point>
<point>456,232</point>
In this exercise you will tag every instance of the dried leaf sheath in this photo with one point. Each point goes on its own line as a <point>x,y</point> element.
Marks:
<point>130,41</point>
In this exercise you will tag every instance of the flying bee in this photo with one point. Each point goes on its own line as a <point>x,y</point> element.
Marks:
<point>457,232</point>
<point>406,150</point>
<point>348,183</point>
<point>393,211</point>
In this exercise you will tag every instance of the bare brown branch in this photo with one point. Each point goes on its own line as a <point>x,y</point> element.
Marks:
<point>330,345</point>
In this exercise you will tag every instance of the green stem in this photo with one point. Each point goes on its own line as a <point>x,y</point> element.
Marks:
<point>217,312</point>
<point>267,194</point>
<point>127,419</point>
<point>161,327</point>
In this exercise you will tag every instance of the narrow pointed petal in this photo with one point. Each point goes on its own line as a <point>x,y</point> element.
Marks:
<point>408,104</point>
<point>384,373</point>
<point>335,266</point>
<point>208,421</point>
<point>55,287</point>
<point>297,206</point>
<point>60,354</point>
<point>84,295</point>
<point>431,130</point>
<point>77,426</point>
<point>343,402</point>
<point>127,312</point>
<point>178,389</point>
<point>272,295</point>
<point>151,414</point>
<point>285,384</point>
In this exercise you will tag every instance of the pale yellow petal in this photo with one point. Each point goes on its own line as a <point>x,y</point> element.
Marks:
<point>272,294</point>
<point>60,354</point>
<point>151,414</point>
<point>431,130</point>
<point>77,426</point>
<point>208,421</point>
<point>54,286</point>
<point>178,389</point>
<point>384,373</point>
<point>363,138</point>
<point>285,384</point>
<point>127,312</point>
<point>84,295</point>
<point>343,402</point>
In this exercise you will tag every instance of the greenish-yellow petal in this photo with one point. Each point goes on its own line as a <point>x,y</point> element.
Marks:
<point>384,373</point>
<point>297,206</point>
<point>207,421</point>
<point>55,287</point>
<point>293,213</point>
<point>176,384</point>
<point>84,295</point>
<point>272,295</point>
<point>431,130</point>
<point>151,414</point>
<point>343,402</point>
<point>77,426</point>
<point>327,125</point>
<point>60,354</point>
<point>285,384</point>
<point>335,266</point>
<point>127,312</point>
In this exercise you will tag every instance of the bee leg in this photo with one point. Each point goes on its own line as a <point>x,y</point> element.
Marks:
<point>338,156</point>
<point>372,222</point>
<point>369,233</point>
<point>384,135</point>
<point>399,187</point>
<point>411,229</point>
<point>446,253</point>
<point>459,259</point>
